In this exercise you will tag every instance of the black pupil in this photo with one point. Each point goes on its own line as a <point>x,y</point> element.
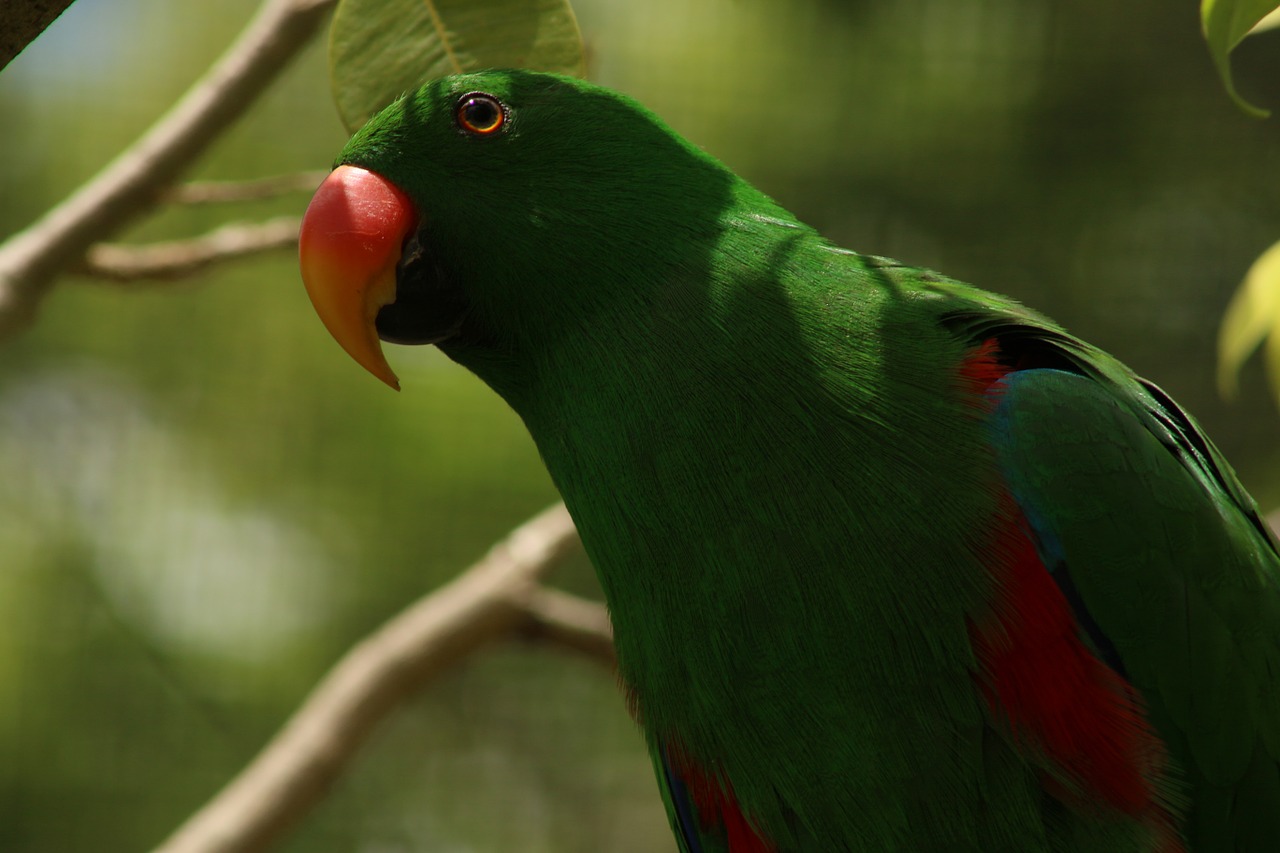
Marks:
<point>480,113</point>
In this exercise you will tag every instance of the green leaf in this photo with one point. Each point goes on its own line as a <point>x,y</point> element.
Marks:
<point>1270,22</point>
<point>1254,313</point>
<point>1225,24</point>
<point>380,49</point>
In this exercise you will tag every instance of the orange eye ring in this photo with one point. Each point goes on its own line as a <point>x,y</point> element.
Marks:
<point>479,114</point>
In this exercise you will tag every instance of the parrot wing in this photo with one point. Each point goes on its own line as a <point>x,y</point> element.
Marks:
<point>1173,577</point>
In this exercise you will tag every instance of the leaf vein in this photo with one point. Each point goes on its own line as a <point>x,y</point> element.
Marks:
<point>444,36</point>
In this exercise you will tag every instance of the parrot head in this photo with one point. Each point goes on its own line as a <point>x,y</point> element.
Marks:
<point>485,209</point>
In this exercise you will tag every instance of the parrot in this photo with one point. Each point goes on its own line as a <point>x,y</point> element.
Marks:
<point>893,563</point>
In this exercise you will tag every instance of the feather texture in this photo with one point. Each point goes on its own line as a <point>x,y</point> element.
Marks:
<point>897,563</point>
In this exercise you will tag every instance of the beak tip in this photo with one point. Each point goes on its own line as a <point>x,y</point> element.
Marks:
<point>370,357</point>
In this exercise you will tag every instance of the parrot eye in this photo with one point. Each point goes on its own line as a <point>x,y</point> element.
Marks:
<point>480,115</point>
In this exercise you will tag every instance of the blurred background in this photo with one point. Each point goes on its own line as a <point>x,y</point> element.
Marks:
<point>203,501</point>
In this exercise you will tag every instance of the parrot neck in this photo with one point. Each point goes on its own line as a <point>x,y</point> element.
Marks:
<point>681,432</point>
<point>733,449</point>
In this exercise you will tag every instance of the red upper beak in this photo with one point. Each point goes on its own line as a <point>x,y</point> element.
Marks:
<point>351,240</point>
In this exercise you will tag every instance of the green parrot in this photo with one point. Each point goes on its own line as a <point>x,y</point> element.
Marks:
<point>893,563</point>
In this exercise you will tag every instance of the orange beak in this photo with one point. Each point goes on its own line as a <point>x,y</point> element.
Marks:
<point>351,240</point>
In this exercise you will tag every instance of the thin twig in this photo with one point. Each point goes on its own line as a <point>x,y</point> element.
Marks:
<point>570,622</point>
<point>130,184</point>
<point>124,264</point>
<point>218,192</point>
<point>22,20</point>
<point>295,769</point>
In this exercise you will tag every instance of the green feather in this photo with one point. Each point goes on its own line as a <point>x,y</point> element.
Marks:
<point>789,492</point>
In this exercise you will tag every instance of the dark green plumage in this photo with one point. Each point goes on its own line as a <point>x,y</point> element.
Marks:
<point>804,474</point>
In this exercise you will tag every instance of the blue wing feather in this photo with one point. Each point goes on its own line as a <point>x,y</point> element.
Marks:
<point>684,821</point>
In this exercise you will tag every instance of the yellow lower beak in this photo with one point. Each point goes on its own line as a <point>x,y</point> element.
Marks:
<point>350,242</point>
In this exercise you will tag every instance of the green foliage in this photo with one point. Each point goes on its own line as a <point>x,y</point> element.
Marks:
<point>1254,314</point>
<point>1226,23</point>
<point>379,49</point>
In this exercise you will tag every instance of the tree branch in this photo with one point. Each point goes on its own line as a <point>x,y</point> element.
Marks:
<point>181,258</point>
<point>22,20</point>
<point>217,192</point>
<point>488,601</point>
<point>574,623</point>
<point>133,182</point>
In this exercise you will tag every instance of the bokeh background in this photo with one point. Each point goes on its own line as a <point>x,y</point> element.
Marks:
<point>203,502</point>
